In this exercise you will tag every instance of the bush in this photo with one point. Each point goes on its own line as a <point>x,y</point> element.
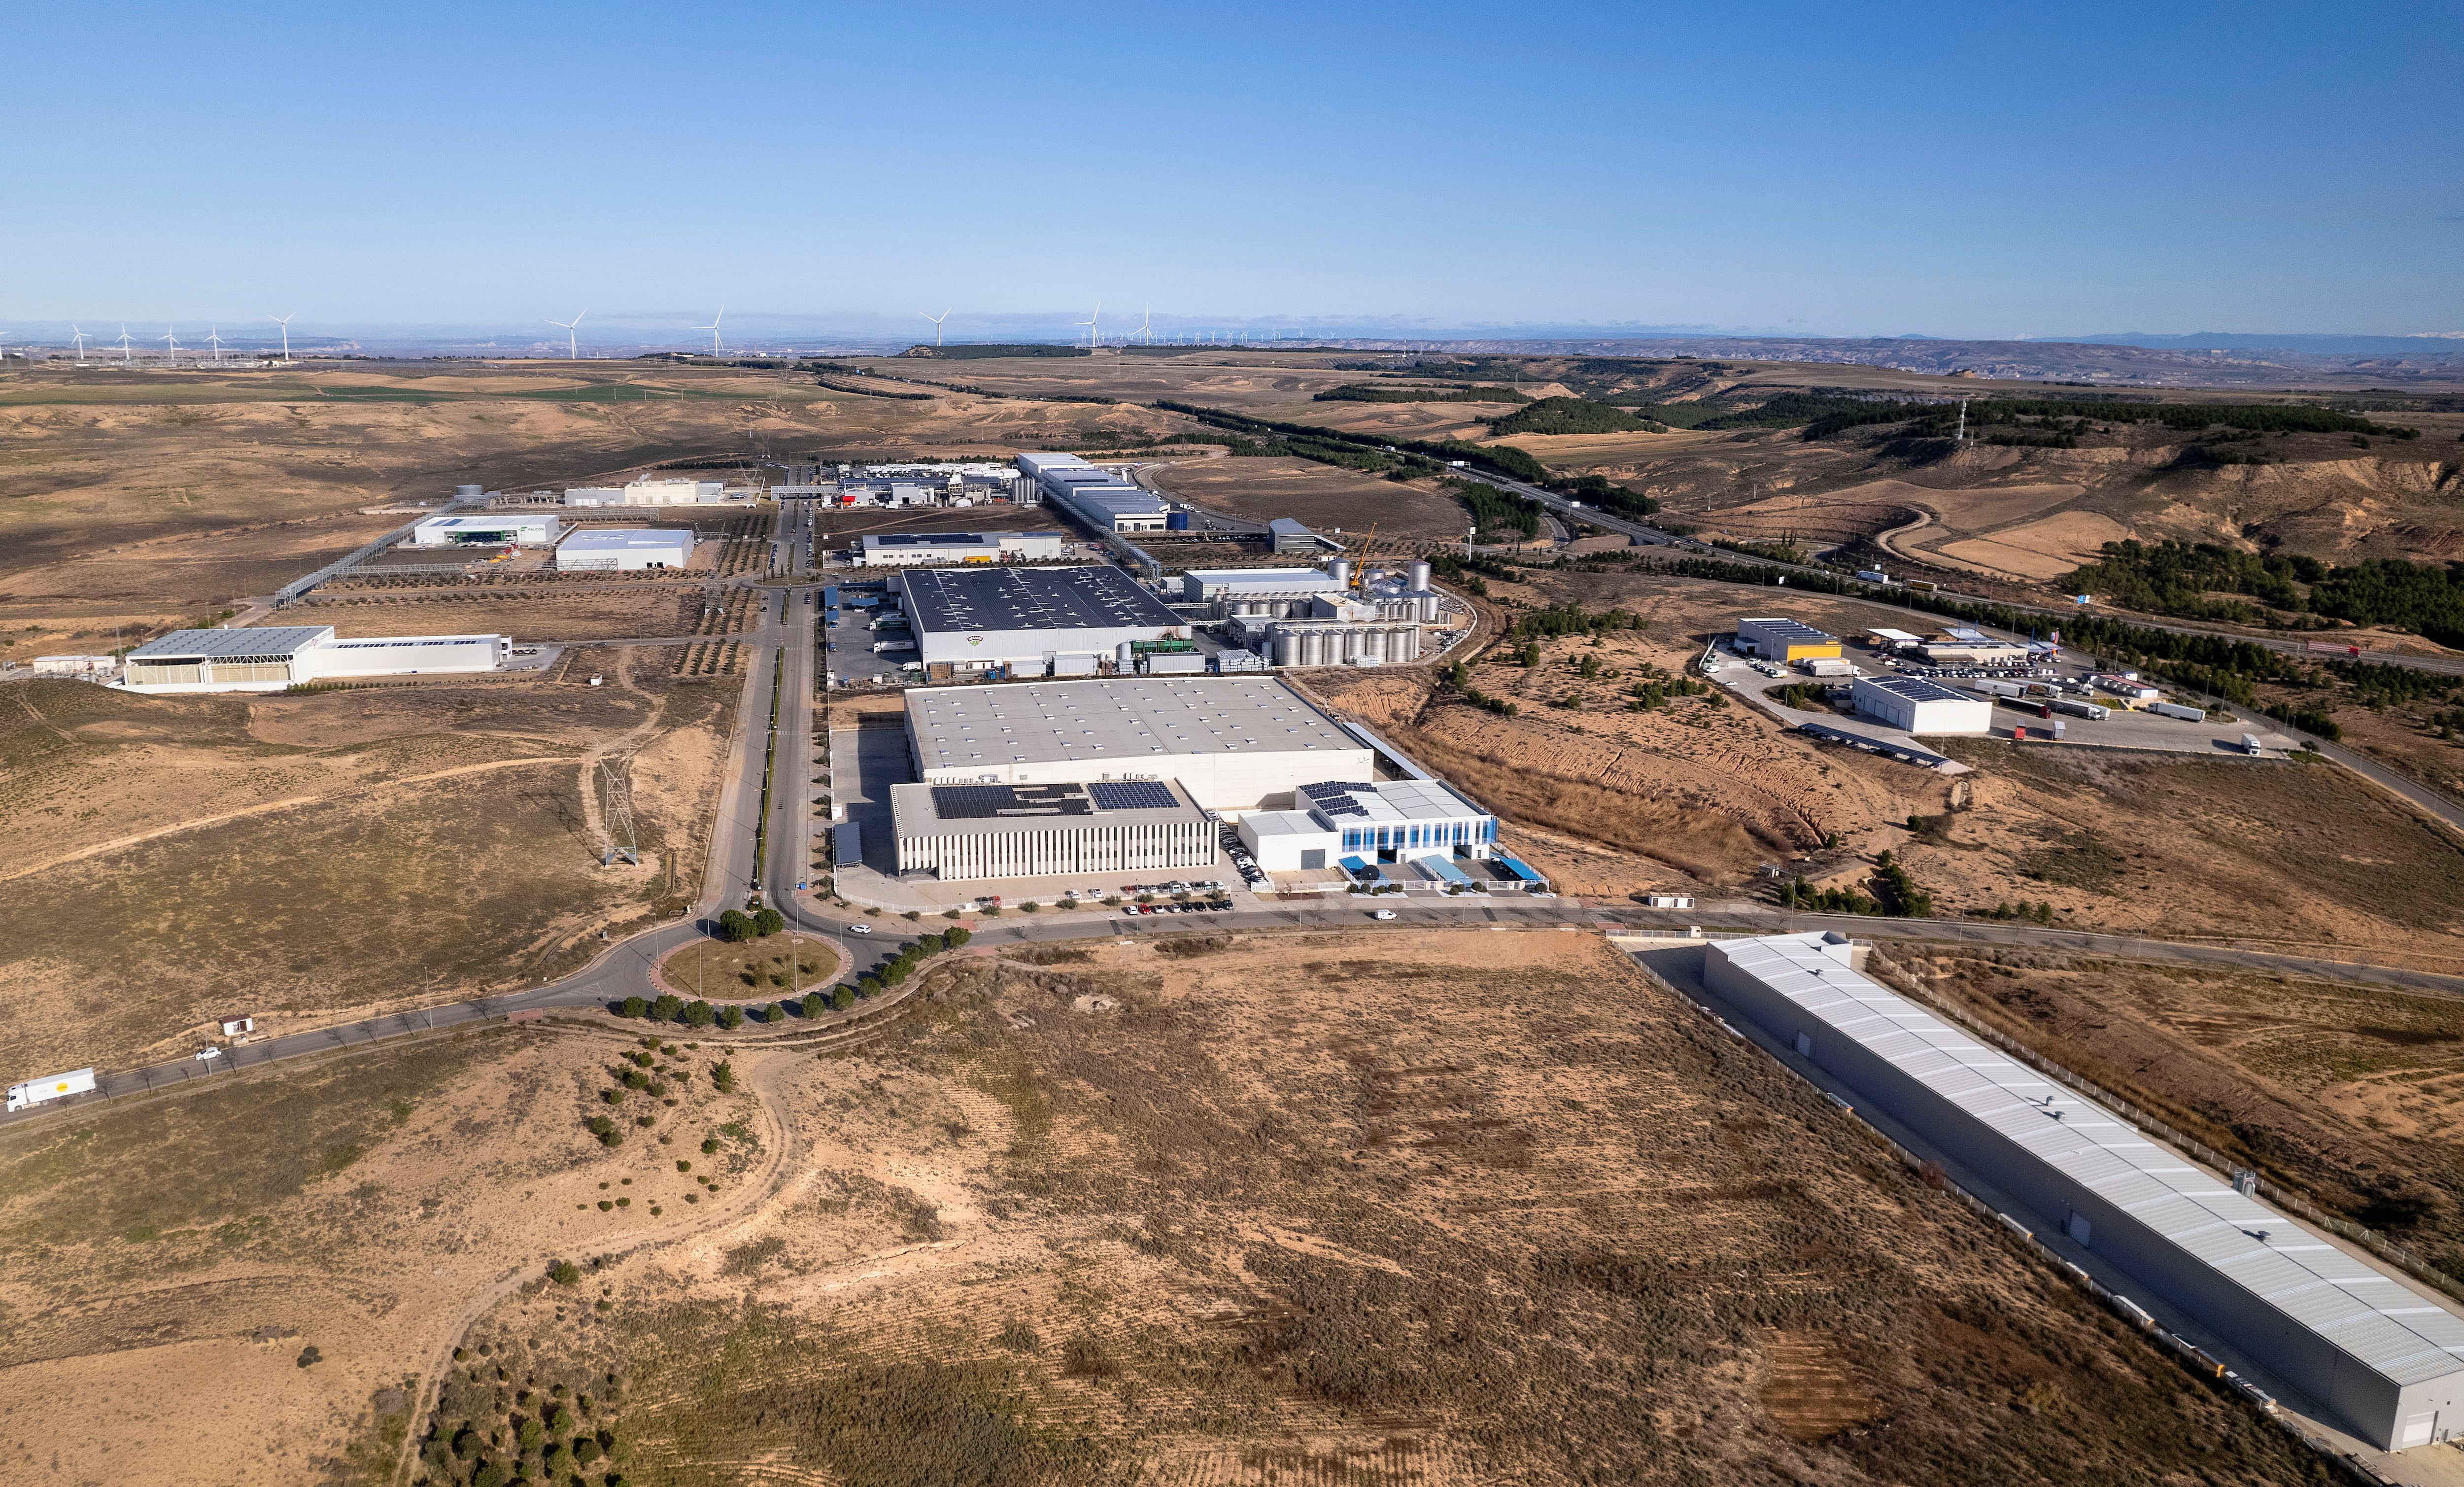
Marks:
<point>723,1078</point>
<point>633,1006</point>
<point>667,1008</point>
<point>814,1003</point>
<point>732,1018</point>
<point>710,1146</point>
<point>768,921</point>
<point>466,1440</point>
<point>533,1435</point>
<point>492,1475</point>
<point>585,1451</point>
<point>682,1166</point>
<point>700,1014</point>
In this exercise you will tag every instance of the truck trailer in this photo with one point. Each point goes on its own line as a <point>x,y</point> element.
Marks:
<point>58,1086</point>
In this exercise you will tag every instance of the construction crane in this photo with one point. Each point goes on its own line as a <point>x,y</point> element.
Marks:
<point>1360,564</point>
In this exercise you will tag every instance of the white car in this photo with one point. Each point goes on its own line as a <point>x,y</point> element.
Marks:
<point>1381,914</point>
<point>859,929</point>
<point>210,1053</point>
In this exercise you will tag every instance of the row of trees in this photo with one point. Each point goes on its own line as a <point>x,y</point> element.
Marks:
<point>1365,392</point>
<point>1568,416</point>
<point>2177,578</point>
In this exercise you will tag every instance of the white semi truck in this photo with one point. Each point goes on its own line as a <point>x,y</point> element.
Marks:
<point>58,1086</point>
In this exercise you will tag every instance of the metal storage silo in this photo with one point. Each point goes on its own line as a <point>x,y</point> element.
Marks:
<point>1284,648</point>
<point>1125,658</point>
<point>1419,576</point>
<point>1340,570</point>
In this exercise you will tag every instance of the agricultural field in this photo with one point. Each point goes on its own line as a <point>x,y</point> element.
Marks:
<point>1326,1207</point>
<point>319,857</point>
<point>302,1250</point>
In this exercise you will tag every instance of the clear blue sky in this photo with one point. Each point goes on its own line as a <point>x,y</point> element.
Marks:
<point>1821,169</point>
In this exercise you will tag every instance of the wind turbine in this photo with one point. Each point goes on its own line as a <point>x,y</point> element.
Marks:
<point>1089,324</point>
<point>572,345</point>
<point>936,320</point>
<point>214,334</point>
<point>79,336</point>
<point>285,322</point>
<point>123,345</point>
<point>1146,333</point>
<point>173,355</point>
<point>712,327</point>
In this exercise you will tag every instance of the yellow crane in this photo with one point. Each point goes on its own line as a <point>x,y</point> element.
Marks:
<point>1360,564</point>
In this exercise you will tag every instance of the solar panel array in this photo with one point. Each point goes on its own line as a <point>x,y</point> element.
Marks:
<point>1131,795</point>
<point>972,802</point>
<point>1335,799</point>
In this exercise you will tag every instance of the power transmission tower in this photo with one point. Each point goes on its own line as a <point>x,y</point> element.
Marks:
<point>616,814</point>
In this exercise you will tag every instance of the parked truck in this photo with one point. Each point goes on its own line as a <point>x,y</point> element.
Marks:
<point>2250,745</point>
<point>893,645</point>
<point>58,1086</point>
<point>2091,711</point>
<point>2177,710</point>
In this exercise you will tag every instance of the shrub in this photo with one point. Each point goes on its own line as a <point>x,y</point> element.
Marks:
<point>700,1014</point>
<point>667,1008</point>
<point>466,1440</point>
<point>633,1006</point>
<point>560,1421</point>
<point>723,1078</point>
<point>710,1146</point>
<point>636,1079</point>
<point>310,1357</point>
<point>732,1018</point>
<point>533,1435</point>
<point>585,1451</point>
<point>490,1475</point>
<point>683,1166</point>
<point>768,921</point>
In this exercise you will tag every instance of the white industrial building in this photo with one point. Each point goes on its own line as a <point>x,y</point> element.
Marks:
<point>1029,830</point>
<point>623,551</point>
<point>1234,744</point>
<point>647,492</point>
<point>276,656</point>
<point>1290,841</point>
<point>1921,706</point>
<point>1273,593</point>
<point>1777,638</point>
<point>1030,619</point>
<point>1095,496</point>
<point>1400,820</point>
<point>2384,1357</point>
<point>498,529</point>
<point>916,550</point>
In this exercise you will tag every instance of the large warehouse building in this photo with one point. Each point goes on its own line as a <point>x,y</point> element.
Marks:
<point>1921,706</point>
<point>627,550</point>
<point>1094,495</point>
<point>1023,830</point>
<point>1232,742</point>
<point>2384,1355</point>
<point>1777,639</point>
<point>282,655</point>
<point>918,549</point>
<point>1036,620</point>
<point>497,530</point>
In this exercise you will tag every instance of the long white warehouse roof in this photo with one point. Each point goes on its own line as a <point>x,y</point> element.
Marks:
<point>2355,1307</point>
<point>1135,720</point>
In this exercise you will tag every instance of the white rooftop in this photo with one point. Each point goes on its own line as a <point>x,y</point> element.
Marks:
<point>624,540</point>
<point>1139,721</point>
<point>2374,1317</point>
<point>1286,823</point>
<point>1314,580</point>
<point>1387,802</point>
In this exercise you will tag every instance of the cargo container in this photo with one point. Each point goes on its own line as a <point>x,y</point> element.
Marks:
<point>2072,706</point>
<point>1991,688</point>
<point>58,1086</point>
<point>2177,710</point>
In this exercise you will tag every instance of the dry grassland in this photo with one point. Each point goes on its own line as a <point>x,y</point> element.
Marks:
<point>1419,514</point>
<point>581,612</point>
<point>166,1264</point>
<point>319,857</point>
<point>1474,1208</point>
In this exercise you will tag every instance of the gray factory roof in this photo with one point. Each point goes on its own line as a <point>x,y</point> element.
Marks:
<point>1781,628</point>
<point>1095,597</point>
<point>622,539</point>
<point>1139,721</point>
<point>230,645</point>
<point>1114,501</point>
<point>2355,1307</point>
<point>932,539</point>
<point>1008,809</point>
<point>1386,803</point>
<point>1289,527</point>
<point>1267,580</point>
<point>1917,689</point>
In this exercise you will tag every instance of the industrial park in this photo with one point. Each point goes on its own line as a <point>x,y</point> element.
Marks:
<point>674,815</point>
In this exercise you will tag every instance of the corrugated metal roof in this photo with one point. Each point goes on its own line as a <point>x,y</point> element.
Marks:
<point>2379,1320</point>
<point>226,645</point>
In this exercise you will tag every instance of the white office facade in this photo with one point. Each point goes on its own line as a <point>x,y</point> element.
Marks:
<point>919,549</point>
<point>273,657</point>
<point>510,528</point>
<point>1921,706</point>
<point>974,831</point>
<point>625,551</point>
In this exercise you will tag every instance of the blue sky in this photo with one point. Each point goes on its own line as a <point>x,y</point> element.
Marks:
<point>1973,171</point>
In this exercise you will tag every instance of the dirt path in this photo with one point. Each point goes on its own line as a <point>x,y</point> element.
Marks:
<point>290,803</point>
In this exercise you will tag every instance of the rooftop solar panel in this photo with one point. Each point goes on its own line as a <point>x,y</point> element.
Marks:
<point>1131,795</point>
<point>972,802</point>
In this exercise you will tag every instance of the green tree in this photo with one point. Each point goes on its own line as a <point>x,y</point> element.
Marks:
<point>560,1421</point>
<point>700,1014</point>
<point>634,1007</point>
<point>565,1273</point>
<point>775,1013</point>
<point>843,997</point>
<point>957,936</point>
<point>667,1008</point>
<point>533,1435</point>
<point>768,921</point>
<point>723,1078</point>
<point>735,927</point>
<point>491,1474</point>
<point>732,1018</point>
<point>814,1003</point>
